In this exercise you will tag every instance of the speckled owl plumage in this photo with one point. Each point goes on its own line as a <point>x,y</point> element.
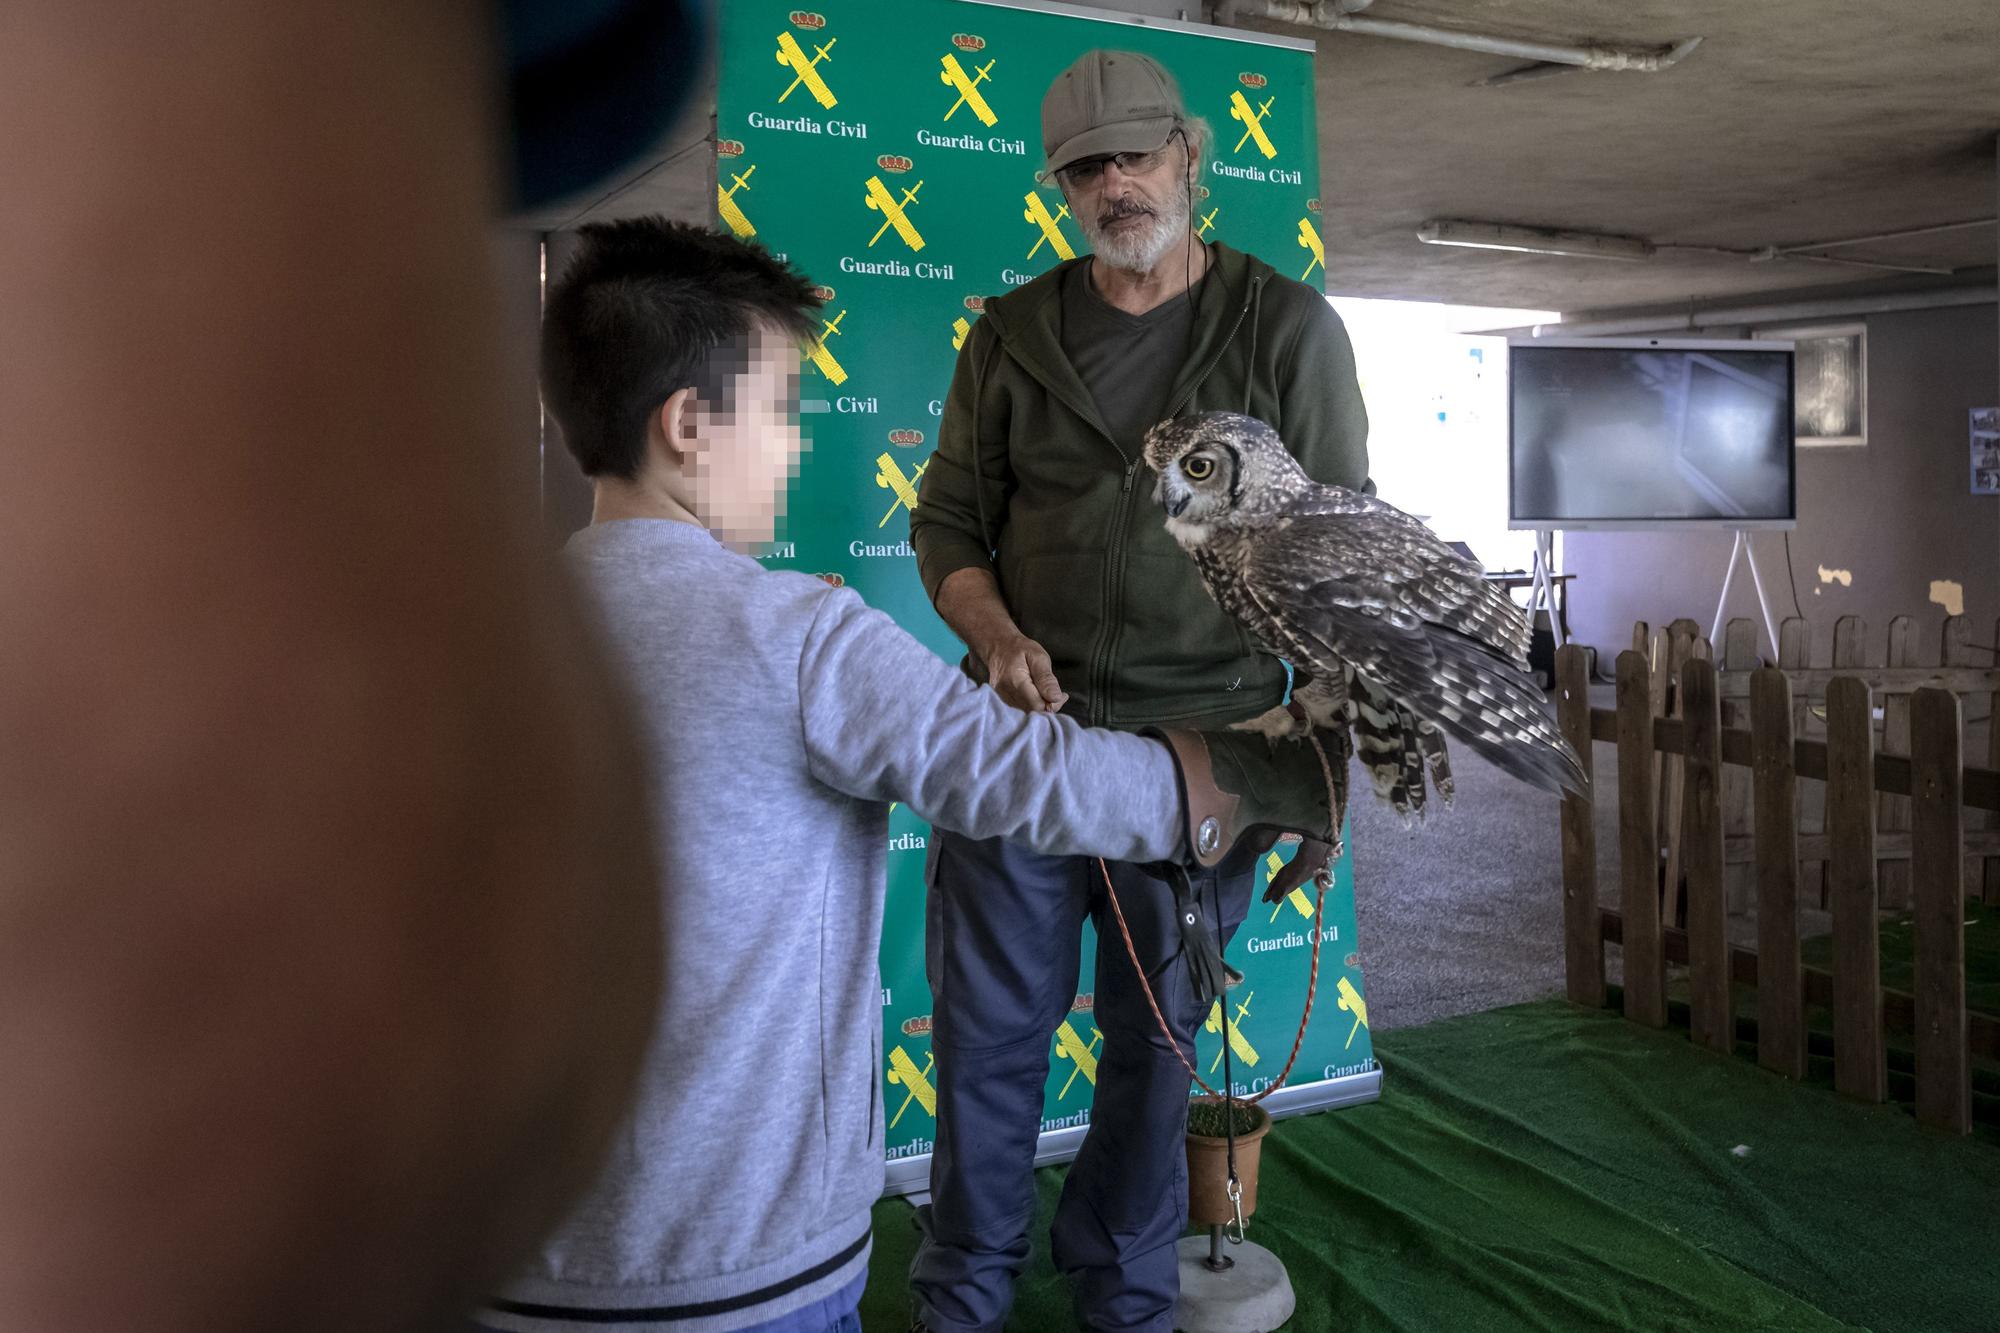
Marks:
<point>1401,636</point>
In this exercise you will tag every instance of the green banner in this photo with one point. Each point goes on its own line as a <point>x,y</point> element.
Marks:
<point>890,152</point>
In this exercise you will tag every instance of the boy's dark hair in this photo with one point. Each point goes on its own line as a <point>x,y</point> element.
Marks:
<point>648,307</point>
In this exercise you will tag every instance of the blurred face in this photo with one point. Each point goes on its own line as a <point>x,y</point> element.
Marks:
<point>1133,206</point>
<point>740,456</point>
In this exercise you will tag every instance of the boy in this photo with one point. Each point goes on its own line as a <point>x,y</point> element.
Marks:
<point>781,717</point>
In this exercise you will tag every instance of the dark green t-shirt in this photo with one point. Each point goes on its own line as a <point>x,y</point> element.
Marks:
<point>1128,362</point>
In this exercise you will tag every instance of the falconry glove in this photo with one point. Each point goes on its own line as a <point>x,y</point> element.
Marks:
<point>1237,788</point>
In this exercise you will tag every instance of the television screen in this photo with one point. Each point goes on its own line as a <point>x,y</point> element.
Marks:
<point>1649,432</point>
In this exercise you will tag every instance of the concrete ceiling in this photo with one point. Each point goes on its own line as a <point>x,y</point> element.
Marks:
<point>1794,121</point>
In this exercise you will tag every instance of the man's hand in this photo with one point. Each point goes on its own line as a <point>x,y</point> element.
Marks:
<point>1020,670</point>
<point>1018,667</point>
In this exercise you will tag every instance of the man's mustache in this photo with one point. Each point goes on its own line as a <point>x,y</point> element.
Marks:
<point>1123,210</point>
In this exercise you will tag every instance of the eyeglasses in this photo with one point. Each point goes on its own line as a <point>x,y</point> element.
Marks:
<point>1091,169</point>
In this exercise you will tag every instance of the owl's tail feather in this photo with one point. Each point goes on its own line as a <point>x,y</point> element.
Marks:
<point>1492,705</point>
<point>1385,743</point>
<point>1413,761</point>
<point>1432,741</point>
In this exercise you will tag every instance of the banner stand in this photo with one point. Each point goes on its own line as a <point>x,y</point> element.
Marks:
<point>891,153</point>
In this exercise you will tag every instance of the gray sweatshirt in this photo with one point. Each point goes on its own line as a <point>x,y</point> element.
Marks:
<point>781,717</point>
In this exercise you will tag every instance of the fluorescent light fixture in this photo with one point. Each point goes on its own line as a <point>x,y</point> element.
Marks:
<point>1533,240</point>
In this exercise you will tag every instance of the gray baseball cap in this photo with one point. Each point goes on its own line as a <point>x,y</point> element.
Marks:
<point>1108,102</point>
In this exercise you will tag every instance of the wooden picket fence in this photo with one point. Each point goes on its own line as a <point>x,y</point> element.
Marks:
<point>1963,665</point>
<point>1679,734</point>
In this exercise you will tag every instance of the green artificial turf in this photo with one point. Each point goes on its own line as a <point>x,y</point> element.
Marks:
<point>1545,1167</point>
<point>1899,951</point>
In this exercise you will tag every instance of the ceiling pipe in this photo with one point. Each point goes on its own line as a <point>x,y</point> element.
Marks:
<point>1833,307</point>
<point>1901,234</point>
<point>1771,254</point>
<point>1344,16</point>
<point>1877,265</point>
<point>1600,245</point>
<point>1540,69</point>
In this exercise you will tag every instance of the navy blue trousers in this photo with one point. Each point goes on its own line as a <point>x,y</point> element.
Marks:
<point>1002,944</point>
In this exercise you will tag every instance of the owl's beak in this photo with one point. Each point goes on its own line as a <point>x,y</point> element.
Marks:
<point>1178,505</point>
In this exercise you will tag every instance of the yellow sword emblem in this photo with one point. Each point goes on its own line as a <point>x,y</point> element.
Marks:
<point>892,212</point>
<point>960,331</point>
<point>822,357</point>
<point>1084,1057</point>
<point>1309,238</point>
<point>1351,1001</point>
<point>903,1071</point>
<point>968,89</point>
<point>1208,220</point>
<point>1253,123</point>
<point>1051,225</point>
<point>732,212</point>
<point>890,477</point>
<point>790,55</point>
<point>1237,1041</point>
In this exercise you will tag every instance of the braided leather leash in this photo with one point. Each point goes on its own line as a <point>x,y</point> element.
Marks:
<point>1323,880</point>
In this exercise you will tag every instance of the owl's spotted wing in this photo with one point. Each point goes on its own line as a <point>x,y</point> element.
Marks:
<point>1260,584</point>
<point>1430,579</point>
<point>1368,588</point>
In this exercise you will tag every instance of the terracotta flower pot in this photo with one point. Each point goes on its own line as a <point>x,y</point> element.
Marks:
<point>1208,1170</point>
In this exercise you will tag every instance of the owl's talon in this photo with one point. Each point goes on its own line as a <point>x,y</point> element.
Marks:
<point>1274,725</point>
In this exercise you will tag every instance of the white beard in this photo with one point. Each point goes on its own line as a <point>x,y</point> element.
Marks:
<point>1138,251</point>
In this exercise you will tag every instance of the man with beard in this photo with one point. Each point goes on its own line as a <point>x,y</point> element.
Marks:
<point>1039,545</point>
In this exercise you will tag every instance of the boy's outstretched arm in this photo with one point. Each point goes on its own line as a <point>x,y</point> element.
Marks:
<point>886,719</point>
<point>326,934</point>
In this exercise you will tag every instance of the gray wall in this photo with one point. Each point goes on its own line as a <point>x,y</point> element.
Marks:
<point>515,257</point>
<point>566,493</point>
<point>1896,514</point>
<point>541,459</point>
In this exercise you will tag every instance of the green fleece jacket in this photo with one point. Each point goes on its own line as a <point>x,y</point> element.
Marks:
<point>1027,481</point>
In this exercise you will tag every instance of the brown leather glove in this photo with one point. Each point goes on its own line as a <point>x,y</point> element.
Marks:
<point>1238,787</point>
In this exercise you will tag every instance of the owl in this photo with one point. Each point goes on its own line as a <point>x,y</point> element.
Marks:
<point>1402,638</point>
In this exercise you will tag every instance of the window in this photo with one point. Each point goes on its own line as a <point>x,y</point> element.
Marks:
<point>1437,416</point>
<point>1829,383</point>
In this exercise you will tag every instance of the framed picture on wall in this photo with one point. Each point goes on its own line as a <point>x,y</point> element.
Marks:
<point>1986,450</point>
<point>1830,383</point>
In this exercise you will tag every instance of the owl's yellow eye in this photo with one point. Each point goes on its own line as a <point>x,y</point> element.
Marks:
<point>1198,468</point>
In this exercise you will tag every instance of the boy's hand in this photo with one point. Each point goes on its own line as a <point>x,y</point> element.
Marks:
<point>1020,669</point>
<point>1237,786</point>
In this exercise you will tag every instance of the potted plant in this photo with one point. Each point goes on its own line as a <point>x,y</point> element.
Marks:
<point>1209,1120</point>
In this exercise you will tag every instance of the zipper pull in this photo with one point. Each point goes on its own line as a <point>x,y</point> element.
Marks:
<point>1131,470</point>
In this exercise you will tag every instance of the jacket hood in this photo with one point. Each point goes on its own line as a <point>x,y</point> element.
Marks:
<point>1027,322</point>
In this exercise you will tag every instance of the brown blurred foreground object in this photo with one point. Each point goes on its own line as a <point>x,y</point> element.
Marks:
<point>326,941</point>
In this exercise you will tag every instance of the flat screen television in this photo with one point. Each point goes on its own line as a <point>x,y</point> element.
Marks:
<point>1650,433</point>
